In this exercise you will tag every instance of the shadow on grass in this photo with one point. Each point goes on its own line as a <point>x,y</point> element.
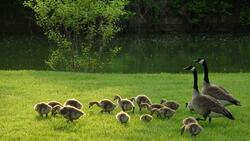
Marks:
<point>66,126</point>
<point>39,118</point>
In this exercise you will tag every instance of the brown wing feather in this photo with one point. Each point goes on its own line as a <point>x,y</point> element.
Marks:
<point>218,93</point>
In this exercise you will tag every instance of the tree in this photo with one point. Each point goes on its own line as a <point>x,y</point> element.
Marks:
<point>81,29</point>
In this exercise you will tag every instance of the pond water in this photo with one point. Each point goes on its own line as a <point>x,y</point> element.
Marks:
<point>170,53</point>
<point>144,53</point>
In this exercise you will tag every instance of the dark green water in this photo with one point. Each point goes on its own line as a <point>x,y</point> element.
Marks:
<point>148,53</point>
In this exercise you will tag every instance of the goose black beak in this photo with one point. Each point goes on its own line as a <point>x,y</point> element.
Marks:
<point>188,67</point>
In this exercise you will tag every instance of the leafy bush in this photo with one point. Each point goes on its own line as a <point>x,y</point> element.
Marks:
<point>81,29</point>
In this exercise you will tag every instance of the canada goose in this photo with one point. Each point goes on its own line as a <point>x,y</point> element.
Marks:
<point>122,117</point>
<point>139,99</point>
<point>71,113</point>
<point>125,104</point>
<point>54,103</point>
<point>152,106</point>
<point>73,102</point>
<point>163,112</point>
<point>218,92</point>
<point>205,105</point>
<point>146,117</point>
<point>170,103</point>
<point>106,105</point>
<point>55,110</point>
<point>42,108</point>
<point>193,129</point>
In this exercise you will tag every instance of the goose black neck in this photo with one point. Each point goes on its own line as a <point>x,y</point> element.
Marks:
<point>195,80</point>
<point>205,72</point>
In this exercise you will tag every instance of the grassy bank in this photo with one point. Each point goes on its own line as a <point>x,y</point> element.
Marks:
<point>20,90</point>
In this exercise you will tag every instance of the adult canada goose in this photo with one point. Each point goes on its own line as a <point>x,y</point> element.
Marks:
<point>139,99</point>
<point>71,113</point>
<point>170,103</point>
<point>146,117</point>
<point>106,105</point>
<point>54,103</point>
<point>42,108</point>
<point>205,105</point>
<point>152,106</point>
<point>163,112</point>
<point>193,129</point>
<point>218,92</point>
<point>125,104</point>
<point>73,102</point>
<point>55,110</point>
<point>122,117</point>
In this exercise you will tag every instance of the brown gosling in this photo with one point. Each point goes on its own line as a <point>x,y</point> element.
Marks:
<point>170,103</point>
<point>152,106</point>
<point>55,110</point>
<point>42,109</point>
<point>125,104</point>
<point>54,103</point>
<point>73,102</point>
<point>122,117</point>
<point>163,112</point>
<point>193,129</point>
<point>139,99</point>
<point>189,120</point>
<point>146,118</point>
<point>106,105</point>
<point>71,113</point>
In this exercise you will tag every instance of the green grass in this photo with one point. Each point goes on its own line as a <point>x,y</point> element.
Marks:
<point>20,90</point>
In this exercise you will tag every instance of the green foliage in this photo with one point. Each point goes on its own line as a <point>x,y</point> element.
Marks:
<point>245,15</point>
<point>81,29</point>
<point>21,90</point>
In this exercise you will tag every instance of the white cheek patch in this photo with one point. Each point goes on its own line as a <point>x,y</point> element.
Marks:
<point>201,61</point>
<point>193,68</point>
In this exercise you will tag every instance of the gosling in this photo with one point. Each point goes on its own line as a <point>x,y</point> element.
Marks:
<point>123,117</point>
<point>193,129</point>
<point>55,110</point>
<point>152,106</point>
<point>146,118</point>
<point>139,99</point>
<point>42,109</point>
<point>71,113</point>
<point>54,103</point>
<point>125,104</point>
<point>106,105</point>
<point>170,103</point>
<point>73,102</point>
<point>163,112</point>
<point>186,122</point>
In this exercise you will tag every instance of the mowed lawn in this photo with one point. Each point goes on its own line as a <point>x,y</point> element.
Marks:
<point>21,90</point>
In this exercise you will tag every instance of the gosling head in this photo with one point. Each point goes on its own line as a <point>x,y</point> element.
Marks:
<point>92,103</point>
<point>117,97</point>
<point>146,118</point>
